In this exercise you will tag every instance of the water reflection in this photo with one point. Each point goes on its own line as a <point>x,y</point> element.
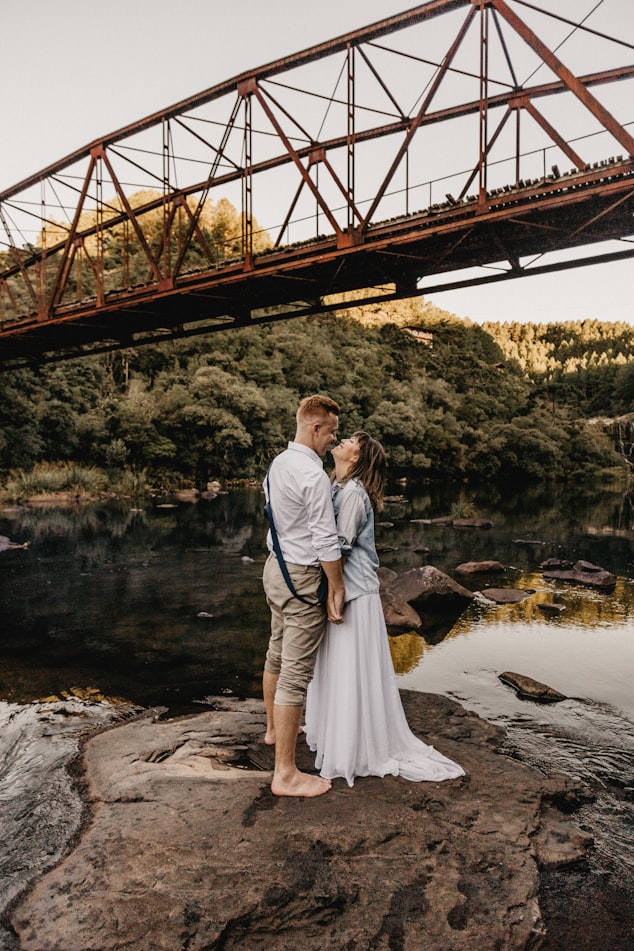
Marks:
<point>111,596</point>
<point>580,660</point>
<point>407,652</point>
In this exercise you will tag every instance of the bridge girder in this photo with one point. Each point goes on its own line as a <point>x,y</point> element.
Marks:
<point>61,294</point>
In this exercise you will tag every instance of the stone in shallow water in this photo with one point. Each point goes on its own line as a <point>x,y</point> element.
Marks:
<point>529,689</point>
<point>472,523</point>
<point>581,572</point>
<point>507,595</point>
<point>475,567</point>
<point>549,608</point>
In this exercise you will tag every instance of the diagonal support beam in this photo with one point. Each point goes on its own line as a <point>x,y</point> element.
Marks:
<point>5,288</point>
<point>575,86</point>
<point>588,222</point>
<point>490,145</point>
<point>289,214</point>
<point>130,213</point>
<point>195,224</point>
<point>255,90</point>
<point>344,191</point>
<point>554,135</point>
<point>419,117</point>
<point>15,254</point>
<point>219,155</point>
<point>69,247</point>
<point>378,78</point>
<point>510,256</point>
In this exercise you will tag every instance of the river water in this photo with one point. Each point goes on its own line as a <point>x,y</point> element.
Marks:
<point>118,607</point>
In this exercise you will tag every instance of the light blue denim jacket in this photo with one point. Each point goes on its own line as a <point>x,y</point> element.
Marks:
<point>355,528</point>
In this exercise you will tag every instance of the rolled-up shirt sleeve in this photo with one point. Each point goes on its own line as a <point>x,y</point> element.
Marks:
<point>350,519</point>
<point>321,518</point>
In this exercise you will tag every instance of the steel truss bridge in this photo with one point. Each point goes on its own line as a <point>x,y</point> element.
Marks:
<point>459,142</point>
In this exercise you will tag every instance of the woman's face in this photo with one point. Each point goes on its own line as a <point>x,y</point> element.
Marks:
<point>347,451</point>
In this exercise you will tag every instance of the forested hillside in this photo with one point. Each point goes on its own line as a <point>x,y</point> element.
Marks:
<point>587,364</point>
<point>508,401</point>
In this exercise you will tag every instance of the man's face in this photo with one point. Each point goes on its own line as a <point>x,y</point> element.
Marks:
<point>325,433</point>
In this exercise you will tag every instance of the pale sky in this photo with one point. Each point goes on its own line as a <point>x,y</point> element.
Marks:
<point>74,70</point>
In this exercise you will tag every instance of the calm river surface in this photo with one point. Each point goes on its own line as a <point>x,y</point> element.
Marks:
<point>163,606</point>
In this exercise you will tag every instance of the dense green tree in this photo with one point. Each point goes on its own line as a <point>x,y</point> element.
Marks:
<point>21,442</point>
<point>624,388</point>
<point>472,403</point>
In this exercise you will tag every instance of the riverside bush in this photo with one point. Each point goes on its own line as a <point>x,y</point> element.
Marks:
<point>45,479</point>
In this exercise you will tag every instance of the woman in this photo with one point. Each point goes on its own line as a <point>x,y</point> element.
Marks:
<point>354,716</point>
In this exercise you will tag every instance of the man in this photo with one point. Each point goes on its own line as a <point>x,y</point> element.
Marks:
<point>299,492</point>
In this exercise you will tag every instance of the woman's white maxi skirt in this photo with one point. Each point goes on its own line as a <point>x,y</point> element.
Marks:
<point>355,720</point>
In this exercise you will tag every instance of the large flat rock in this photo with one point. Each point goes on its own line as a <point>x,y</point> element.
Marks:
<point>185,849</point>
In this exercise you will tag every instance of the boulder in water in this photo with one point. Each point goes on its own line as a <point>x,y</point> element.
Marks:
<point>507,595</point>
<point>475,567</point>
<point>406,596</point>
<point>529,689</point>
<point>579,572</point>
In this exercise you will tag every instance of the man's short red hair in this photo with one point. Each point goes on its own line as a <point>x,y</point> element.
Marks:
<point>316,407</point>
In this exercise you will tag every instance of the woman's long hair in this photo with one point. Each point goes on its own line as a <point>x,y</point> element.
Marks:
<point>370,468</point>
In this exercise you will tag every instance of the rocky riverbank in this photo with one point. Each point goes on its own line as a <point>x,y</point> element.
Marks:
<point>183,846</point>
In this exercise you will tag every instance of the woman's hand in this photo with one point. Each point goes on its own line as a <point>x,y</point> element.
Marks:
<point>336,590</point>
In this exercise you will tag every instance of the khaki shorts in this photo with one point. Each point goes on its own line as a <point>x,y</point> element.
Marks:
<point>296,629</point>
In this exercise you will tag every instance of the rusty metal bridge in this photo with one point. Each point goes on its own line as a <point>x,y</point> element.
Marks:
<point>462,141</point>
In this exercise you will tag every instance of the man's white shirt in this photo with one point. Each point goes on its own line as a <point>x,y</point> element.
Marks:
<point>300,494</point>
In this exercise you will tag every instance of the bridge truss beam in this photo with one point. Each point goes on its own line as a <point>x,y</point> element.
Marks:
<point>322,156</point>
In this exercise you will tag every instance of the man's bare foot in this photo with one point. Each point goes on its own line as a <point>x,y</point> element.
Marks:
<point>300,784</point>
